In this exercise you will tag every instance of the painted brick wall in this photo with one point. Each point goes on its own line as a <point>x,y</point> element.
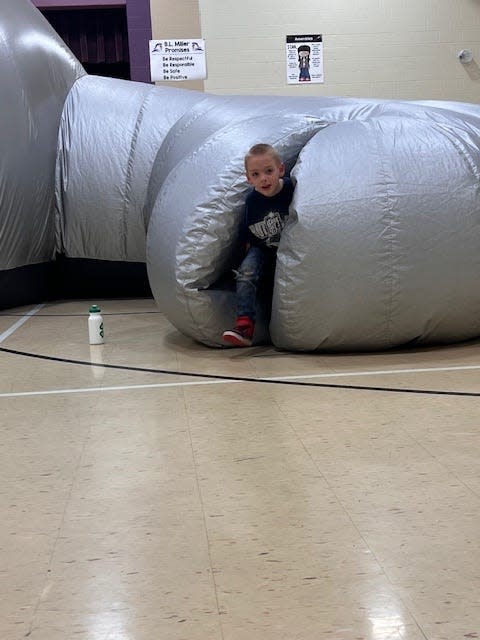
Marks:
<point>401,49</point>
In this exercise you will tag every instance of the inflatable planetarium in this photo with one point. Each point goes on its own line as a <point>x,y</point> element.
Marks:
<point>117,188</point>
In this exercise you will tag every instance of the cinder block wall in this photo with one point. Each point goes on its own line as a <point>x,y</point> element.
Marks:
<point>401,49</point>
<point>177,19</point>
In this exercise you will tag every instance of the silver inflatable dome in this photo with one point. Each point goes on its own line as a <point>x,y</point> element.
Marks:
<point>382,247</point>
<point>36,73</point>
<point>75,163</point>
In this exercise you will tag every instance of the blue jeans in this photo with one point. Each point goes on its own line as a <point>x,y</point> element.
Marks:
<point>255,266</point>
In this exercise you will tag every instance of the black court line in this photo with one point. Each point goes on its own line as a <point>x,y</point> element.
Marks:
<point>213,376</point>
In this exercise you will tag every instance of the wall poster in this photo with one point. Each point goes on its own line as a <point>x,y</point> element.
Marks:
<point>178,59</point>
<point>304,59</point>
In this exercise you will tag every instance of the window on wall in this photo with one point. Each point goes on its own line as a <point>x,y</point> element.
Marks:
<point>98,37</point>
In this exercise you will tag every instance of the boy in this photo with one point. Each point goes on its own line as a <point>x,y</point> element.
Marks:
<point>266,211</point>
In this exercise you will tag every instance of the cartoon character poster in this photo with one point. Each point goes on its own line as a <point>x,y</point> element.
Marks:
<point>304,59</point>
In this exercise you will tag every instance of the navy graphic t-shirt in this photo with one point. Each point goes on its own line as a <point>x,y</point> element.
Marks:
<point>265,217</point>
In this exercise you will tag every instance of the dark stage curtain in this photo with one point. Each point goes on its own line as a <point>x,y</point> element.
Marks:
<point>95,36</point>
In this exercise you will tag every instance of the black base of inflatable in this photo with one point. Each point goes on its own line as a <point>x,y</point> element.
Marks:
<point>68,278</point>
<point>83,278</point>
<point>27,285</point>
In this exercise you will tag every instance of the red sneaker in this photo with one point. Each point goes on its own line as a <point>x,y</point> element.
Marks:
<point>241,335</point>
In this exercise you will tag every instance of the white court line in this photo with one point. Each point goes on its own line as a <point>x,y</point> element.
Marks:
<point>122,388</point>
<point>18,323</point>
<point>379,372</point>
<point>160,385</point>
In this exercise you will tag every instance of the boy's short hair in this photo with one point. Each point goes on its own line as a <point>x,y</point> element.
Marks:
<point>260,150</point>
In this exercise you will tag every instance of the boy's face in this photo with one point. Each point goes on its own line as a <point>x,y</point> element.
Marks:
<point>264,173</point>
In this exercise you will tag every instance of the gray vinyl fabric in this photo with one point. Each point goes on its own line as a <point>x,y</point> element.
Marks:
<point>36,73</point>
<point>382,244</point>
<point>110,134</point>
<point>384,250</point>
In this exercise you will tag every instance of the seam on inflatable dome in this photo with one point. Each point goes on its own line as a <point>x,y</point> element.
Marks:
<point>391,235</point>
<point>462,150</point>
<point>129,172</point>
<point>178,130</point>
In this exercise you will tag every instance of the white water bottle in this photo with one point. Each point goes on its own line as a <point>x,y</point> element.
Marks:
<point>95,325</point>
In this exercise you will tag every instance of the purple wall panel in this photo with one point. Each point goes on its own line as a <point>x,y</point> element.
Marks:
<point>61,4</point>
<point>138,14</point>
<point>139,29</point>
<point>139,33</point>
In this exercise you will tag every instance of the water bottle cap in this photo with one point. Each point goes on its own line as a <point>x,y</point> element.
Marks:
<point>95,308</point>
